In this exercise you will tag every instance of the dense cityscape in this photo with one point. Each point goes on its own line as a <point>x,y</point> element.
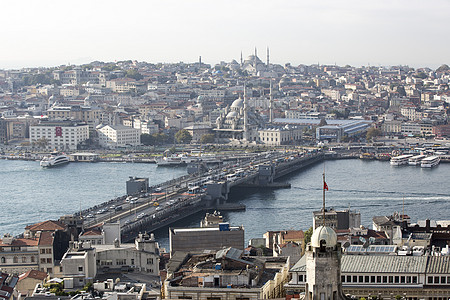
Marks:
<point>241,124</point>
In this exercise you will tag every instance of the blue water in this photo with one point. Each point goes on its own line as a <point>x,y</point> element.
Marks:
<point>30,194</point>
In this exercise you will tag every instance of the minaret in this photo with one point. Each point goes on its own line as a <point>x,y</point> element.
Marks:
<point>242,61</point>
<point>271,103</point>
<point>245,113</point>
<point>268,57</point>
<point>200,61</point>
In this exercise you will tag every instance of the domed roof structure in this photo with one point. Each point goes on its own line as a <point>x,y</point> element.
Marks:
<point>324,235</point>
<point>232,114</point>
<point>238,103</point>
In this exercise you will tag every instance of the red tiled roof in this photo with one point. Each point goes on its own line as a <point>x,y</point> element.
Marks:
<point>49,225</point>
<point>35,274</point>
<point>92,232</point>
<point>20,242</point>
<point>46,238</point>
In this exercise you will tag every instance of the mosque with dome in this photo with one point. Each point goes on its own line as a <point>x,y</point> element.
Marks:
<point>238,122</point>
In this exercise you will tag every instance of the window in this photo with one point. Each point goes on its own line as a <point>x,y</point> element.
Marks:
<point>49,260</point>
<point>355,278</point>
<point>443,279</point>
<point>366,279</point>
<point>402,279</point>
<point>397,279</point>
<point>408,279</point>
<point>385,279</point>
<point>121,262</point>
<point>349,278</point>
<point>24,259</point>
<point>378,279</point>
<point>361,278</point>
<point>49,270</point>
<point>343,278</point>
<point>132,261</point>
<point>300,278</point>
<point>149,261</point>
<point>15,259</point>
<point>436,279</point>
<point>32,259</point>
<point>414,279</point>
<point>80,269</point>
<point>48,251</point>
<point>430,279</point>
<point>3,260</point>
<point>391,279</point>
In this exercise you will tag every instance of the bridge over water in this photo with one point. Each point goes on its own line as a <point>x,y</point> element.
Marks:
<point>189,194</point>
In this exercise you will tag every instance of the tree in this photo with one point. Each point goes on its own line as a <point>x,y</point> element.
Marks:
<point>372,132</point>
<point>147,139</point>
<point>207,138</point>
<point>183,136</point>
<point>133,73</point>
<point>308,234</point>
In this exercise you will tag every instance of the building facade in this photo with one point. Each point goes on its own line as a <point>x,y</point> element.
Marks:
<point>64,135</point>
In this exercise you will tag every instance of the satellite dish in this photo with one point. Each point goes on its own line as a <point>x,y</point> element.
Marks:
<point>366,245</point>
<point>346,245</point>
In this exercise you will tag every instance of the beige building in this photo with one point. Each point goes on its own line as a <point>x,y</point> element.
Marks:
<point>90,115</point>
<point>28,281</point>
<point>280,136</point>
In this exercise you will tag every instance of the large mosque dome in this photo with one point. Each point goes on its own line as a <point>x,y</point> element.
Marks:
<point>238,103</point>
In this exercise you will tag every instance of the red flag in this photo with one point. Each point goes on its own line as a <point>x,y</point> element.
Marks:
<point>325,186</point>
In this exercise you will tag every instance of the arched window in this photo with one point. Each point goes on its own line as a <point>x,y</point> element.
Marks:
<point>3,260</point>
<point>15,259</point>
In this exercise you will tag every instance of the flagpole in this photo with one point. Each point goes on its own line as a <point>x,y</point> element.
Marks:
<point>323,191</point>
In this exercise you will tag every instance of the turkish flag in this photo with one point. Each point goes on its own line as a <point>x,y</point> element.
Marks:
<point>58,131</point>
<point>325,186</point>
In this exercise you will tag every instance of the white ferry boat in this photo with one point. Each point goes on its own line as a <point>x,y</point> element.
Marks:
<point>54,160</point>
<point>400,160</point>
<point>416,159</point>
<point>430,161</point>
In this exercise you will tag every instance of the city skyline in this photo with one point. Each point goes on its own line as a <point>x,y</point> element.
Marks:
<point>51,33</point>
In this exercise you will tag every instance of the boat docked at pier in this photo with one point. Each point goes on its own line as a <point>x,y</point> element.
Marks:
<point>416,160</point>
<point>430,161</point>
<point>54,160</point>
<point>176,160</point>
<point>400,160</point>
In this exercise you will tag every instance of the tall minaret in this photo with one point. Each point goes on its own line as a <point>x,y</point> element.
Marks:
<point>271,103</point>
<point>245,113</point>
<point>267,57</point>
<point>242,61</point>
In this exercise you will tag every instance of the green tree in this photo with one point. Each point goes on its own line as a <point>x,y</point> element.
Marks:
<point>147,139</point>
<point>372,132</point>
<point>308,234</point>
<point>133,73</point>
<point>421,75</point>
<point>183,136</point>
<point>207,138</point>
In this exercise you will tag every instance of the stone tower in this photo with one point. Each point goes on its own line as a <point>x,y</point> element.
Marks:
<point>323,263</point>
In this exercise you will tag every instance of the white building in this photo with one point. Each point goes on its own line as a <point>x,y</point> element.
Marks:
<point>62,135</point>
<point>142,256</point>
<point>113,136</point>
<point>280,136</point>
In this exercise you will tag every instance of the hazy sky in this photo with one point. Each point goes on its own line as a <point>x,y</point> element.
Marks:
<point>355,32</point>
